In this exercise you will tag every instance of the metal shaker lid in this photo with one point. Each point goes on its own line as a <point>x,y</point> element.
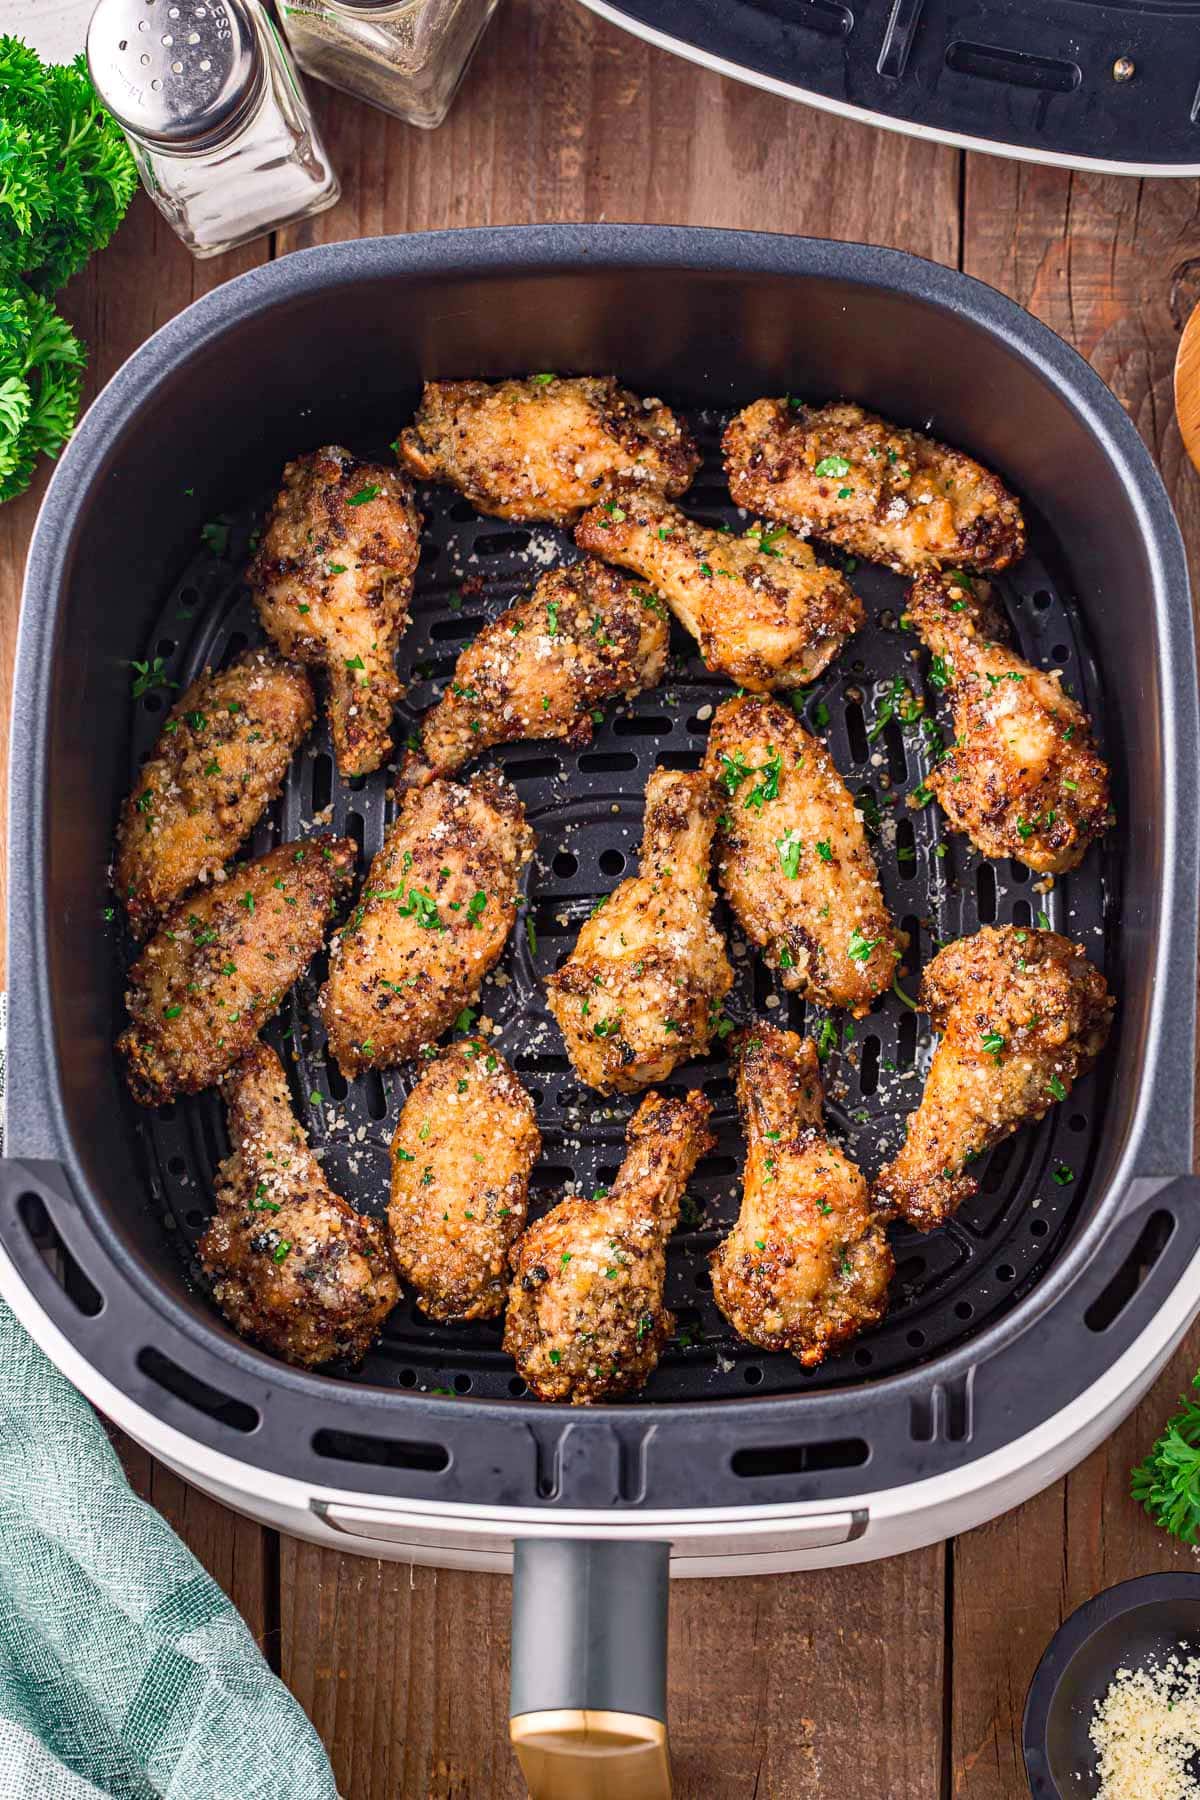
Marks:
<point>178,73</point>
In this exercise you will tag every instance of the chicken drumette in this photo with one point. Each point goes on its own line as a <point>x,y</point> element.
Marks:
<point>586,1318</point>
<point>1023,777</point>
<point>547,446</point>
<point>793,858</point>
<point>582,636</point>
<point>462,1155</point>
<point>332,580</point>
<point>292,1264</point>
<point>221,757</point>
<point>642,989</point>
<point>761,607</point>
<point>891,495</point>
<point>808,1264</point>
<point>1021,1014</point>
<point>432,919</point>
<point>222,961</point>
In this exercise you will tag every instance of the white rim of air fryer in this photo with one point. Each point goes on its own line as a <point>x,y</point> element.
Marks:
<point>979,1490</point>
<point>1098,165</point>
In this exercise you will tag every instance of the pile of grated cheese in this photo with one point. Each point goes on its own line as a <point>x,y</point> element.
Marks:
<point>1146,1732</point>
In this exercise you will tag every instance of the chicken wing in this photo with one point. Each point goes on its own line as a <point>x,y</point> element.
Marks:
<point>807,1265</point>
<point>1022,1015</point>
<point>332,580</point>
<point>222,961</point>
<point>891,495</point>
<point>292,1264</point>
<point>462,1155</point>
<point>220,759</point>
<point>432,919</point>
<point>1023,777</point>
<point>586,1318</point>
<point>547,446</point>
<point>793,858</point>
<point>761,607</point>
<point>642,989</point>
<point>582,636</point>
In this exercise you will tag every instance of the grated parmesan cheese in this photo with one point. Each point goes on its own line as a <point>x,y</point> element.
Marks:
<point>1146,1732</point>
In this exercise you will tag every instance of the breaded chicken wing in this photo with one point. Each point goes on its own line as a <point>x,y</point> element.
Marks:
<point>220,759</point>
<point>432,920</point>
<point>1022,1015</point>
<point>547,446</point>
<point>332,581</point>
<point>761,607</point>
<point>586,1319</point>
<point>808,1264</point>
<point>292,1264</point>
<point>793,859</point>
<point>891,495</point>
<point>1023,777</point>
<point>221,962</point>
<point>584,635</point>
<point>463,1151</point>
<point>641,991</point>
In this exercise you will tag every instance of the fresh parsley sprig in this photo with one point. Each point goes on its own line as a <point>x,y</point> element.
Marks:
<point>1167,1484</point>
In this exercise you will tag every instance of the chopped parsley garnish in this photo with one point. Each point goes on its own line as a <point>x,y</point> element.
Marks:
<point>824,850</point>
<point>768,787</point>
<point>280,1252</point>
<point>993,1044</point>
<point>172,1012</point>
<point>826,1038</point>
<point>1064,1175</point>
<point>552,617</point>
<point>941,673</point>
<point>476,905</point>
<point>148,676</point>
<point>355,662</point>
<point>832,465</point>
<point>531,935</point>
<point>789,847</point>
<point>423,907</point>
<point>859,948</point>
<point>901,995</point>
<point>1056,1089</point>
<point>465,1019</point>
<point>215,537</point>
<point>543,380</point>
<point>364,494</point>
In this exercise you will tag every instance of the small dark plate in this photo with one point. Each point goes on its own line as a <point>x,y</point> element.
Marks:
<point>1128,1626</point>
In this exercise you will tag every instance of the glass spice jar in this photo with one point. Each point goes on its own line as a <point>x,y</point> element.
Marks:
<point>215,115</point>
<point>405,56</point>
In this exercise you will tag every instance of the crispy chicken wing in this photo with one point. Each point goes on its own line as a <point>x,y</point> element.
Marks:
<point>586,1318</point>
<point>1023,777</point>
<point>793,858</point>
<point>642,989</point>
<point>220,759</point>
<point>462,1155</point>
<point>332,580</point>
<point>761,607</point>
<point>293,1265</point>
<point>547,446</point>
<point>432,919</point>
<point>221,962</point>
<point>807,1265</point>
<point>1021,1014</point>
<point>582,636</point>
<point>891,495</point>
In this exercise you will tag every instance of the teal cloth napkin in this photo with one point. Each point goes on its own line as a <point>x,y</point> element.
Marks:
<point>124,1669</point>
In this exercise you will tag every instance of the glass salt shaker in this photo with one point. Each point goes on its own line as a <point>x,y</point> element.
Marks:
<point>215,116</point>
<point>405,56</point>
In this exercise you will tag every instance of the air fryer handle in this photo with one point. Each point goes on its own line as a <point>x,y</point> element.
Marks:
<point>588,1712</point>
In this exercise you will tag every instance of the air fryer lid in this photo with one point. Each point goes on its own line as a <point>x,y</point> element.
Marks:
<point>998,1322</point>
<point>1090,83</point>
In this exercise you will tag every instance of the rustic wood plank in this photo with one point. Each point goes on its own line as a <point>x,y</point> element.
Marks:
<point>777,1683</point>
<point>1114,266</point>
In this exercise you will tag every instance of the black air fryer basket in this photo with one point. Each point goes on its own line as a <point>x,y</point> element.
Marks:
<point>1082,1226</point>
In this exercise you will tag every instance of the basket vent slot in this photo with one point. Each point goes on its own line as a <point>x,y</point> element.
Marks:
<point>43,1234</point>
<point>800,1459</point>
<point>196,1393</point>
<point>380,1452</point>
<point>1111,1302</point>
<point>1020,68</point>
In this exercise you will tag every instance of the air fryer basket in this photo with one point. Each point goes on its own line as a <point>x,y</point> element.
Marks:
<point>1080,1227</point>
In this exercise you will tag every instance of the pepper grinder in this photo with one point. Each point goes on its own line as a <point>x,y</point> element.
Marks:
<point>215,115</point>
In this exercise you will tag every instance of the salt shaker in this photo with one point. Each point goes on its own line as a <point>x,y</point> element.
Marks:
<point>405,56</point>
<point>215,116</point>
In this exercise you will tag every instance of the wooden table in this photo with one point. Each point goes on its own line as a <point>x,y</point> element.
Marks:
<point>901,1680</point>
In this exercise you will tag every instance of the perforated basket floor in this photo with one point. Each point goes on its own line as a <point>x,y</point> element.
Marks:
<point>586,810</point>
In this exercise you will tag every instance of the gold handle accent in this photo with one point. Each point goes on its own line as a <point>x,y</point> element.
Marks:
<point>570,1754</point>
